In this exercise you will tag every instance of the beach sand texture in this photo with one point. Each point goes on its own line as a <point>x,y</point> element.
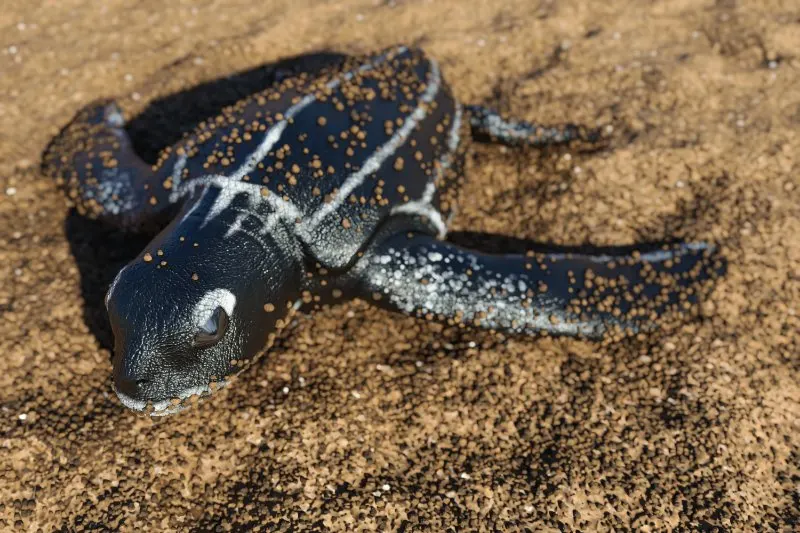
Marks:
<point>359,419</point>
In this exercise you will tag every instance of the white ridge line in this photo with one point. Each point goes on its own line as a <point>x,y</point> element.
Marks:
<point>283,207</point>
<point>274,134</point>
<point>376,159</point>
<point>423,206</point>
<point>453,139</point>
<point>177,169</point>
<point>230,189</point>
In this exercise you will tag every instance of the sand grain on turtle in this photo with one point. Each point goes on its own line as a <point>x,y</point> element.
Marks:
<point>325,188</point>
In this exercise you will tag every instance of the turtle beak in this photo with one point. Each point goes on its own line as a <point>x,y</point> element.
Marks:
<point>134,385</point>
<point>155,393</point>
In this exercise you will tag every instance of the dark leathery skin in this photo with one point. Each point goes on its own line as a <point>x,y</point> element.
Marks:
<point>329,140</point>
<point>578,295</point>
<point>321,189</point>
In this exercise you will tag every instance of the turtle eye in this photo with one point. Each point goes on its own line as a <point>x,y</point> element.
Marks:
<point>213,329</point>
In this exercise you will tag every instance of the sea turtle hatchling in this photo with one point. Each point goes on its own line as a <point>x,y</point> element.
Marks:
<point>323,188</point>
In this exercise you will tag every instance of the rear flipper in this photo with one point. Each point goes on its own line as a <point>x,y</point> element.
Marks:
<point>489,126</point>
<point>93,159</point>
<point>557,294</point>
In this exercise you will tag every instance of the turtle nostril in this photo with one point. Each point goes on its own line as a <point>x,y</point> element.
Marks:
<point>132,386</point>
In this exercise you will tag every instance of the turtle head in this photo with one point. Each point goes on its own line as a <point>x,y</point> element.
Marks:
<point>206,296</point>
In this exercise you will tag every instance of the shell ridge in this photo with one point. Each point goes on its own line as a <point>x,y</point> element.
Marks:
<point>381,154</point>
<point>272,137</point>
<point>424,206</point>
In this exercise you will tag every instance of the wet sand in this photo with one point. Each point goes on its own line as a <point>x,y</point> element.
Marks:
<point>363,420</point>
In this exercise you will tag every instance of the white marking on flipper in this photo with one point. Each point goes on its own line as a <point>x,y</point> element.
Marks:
<point>196,204</point>
<point>397,274</point>
<point>114,191</point>
<point>381,154</point>
<point>113,117</point>
<point>496,126</point>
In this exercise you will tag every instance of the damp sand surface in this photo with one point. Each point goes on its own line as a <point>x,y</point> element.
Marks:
<point>359,419</point>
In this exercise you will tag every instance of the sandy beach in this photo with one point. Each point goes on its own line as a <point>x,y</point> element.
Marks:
<point>364,420</point>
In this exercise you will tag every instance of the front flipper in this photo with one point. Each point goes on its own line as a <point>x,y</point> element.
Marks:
<point>557,294</point>
<point>93,159</point>
<point>489,126</point>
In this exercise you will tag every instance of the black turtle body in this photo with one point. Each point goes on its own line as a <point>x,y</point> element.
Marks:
<point>322,188</point>
<point>340,151</point>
